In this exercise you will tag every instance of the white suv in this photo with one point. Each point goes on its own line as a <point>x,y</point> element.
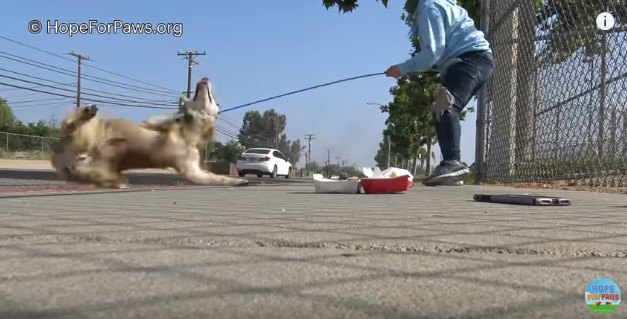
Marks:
<point>263,161</point>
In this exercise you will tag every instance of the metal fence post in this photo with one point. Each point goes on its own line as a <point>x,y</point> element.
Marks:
<point>480,134</point>
<point>602,96</point>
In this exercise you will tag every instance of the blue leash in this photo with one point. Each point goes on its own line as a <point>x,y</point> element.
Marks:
<point>303,90</point>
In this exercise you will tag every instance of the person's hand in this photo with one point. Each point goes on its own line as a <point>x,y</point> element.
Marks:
<point>393,72</point>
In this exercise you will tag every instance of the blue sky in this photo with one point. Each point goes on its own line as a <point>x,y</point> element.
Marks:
<point>255,49</point>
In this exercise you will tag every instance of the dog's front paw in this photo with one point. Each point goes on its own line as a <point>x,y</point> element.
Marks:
<point>240,182</point>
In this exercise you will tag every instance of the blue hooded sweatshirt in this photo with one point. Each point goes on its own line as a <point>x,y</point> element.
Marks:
<point>445,31</point>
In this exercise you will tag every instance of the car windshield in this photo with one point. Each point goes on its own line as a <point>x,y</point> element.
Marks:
<point>257,151</point>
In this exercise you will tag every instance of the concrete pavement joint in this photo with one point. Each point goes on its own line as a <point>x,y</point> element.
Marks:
<point>281,244</point>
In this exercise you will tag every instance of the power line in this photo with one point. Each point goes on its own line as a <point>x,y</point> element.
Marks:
<point>38,100</point>
<point>34,63</point>
<point>230,122</point>
<point>90,100</point>
<point>126,77</point>
<point>90,94</point>
<point>87,65</point>
<point>36,77</point>
<point>36,86</point>
<point>38,105</point>
<point>56,69</point>
<point>35,48</point>
<point>34,90</point>
<point>227,134</point>
<point>126,86</point>
<point>140,100</point>
<point>230,134</point>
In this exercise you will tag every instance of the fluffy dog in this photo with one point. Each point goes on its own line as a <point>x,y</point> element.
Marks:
<point>97,151</point>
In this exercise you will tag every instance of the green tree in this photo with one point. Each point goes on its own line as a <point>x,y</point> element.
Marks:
<point>292,149</point>
<point>315,167</point>
<point>7,119</point>
<point>574,24</point>
<point>261,130</point>
<point>344,6</point>
<point>228,152</point>
<point>267,130</point>
<point>231,151</point>
<point>410,123</point>
<point>574,20</point>
<point>382,154</point>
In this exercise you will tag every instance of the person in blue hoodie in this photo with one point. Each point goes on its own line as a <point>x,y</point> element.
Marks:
<point>449,44</point>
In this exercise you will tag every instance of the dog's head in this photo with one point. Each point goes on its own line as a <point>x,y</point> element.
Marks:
<point>204,99</point>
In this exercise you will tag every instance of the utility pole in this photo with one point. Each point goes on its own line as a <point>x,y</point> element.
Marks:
<point>276,137</point>
<point>389,150</point>
<point>190,62</point>
<point>78,81</point>
<point>328,162</point>
<point>309,138</point>
<point>306,166</point>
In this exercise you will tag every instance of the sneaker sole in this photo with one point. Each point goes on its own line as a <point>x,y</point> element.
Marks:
<point>451,181</point>
<point>459,173</point>
<point>447,179</point>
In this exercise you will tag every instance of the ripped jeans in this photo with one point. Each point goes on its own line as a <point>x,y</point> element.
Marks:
<point>463,80</point>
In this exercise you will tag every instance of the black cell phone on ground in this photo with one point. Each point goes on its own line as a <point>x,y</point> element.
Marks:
<point>530,200</point>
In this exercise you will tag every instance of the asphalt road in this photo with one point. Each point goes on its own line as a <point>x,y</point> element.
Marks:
<point>281,251</point>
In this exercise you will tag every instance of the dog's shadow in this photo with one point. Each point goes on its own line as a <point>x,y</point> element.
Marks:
<point>314,193</point>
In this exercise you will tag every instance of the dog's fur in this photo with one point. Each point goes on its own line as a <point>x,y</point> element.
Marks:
<point>95,150</point>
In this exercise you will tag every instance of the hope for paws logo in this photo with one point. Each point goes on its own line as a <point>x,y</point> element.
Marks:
<point>602,296</point>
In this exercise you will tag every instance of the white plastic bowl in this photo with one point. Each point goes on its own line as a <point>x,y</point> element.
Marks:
<point>329,186</point>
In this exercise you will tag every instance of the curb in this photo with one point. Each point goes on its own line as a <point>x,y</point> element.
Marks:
<point>133,178</point>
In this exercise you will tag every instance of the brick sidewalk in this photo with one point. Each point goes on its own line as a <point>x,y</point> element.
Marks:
<point>284,252</point>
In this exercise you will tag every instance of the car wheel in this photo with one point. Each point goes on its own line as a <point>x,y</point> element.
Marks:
<point>241,174</point>
<point>289,172</point>
<point>259,175</point>
<point>273,174</point>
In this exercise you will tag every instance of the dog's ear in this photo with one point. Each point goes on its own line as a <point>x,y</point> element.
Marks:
<point>182,103</point>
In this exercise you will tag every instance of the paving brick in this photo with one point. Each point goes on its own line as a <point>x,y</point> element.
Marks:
<point>284,252</point>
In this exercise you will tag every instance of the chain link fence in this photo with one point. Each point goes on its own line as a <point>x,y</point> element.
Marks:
<point>556,109</point>
<point>20,146</point>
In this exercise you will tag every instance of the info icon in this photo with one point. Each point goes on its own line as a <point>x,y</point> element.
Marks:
<point>605,21</point>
